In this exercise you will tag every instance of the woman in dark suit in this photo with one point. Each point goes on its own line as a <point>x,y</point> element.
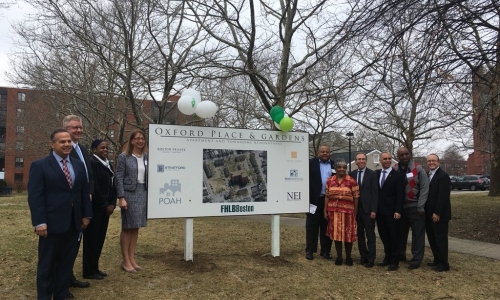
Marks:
<point>103,205</point>
<point>131,179</point>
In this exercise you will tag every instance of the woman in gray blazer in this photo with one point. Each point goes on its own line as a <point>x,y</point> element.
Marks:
<point>131,188</point>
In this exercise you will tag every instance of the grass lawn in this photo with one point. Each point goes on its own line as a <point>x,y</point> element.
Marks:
<point>231,261</point>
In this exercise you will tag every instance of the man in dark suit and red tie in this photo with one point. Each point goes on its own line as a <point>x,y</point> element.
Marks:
<point>60,207</point>
<point>390,206</point>
<point>320,169</point>
<point>367,210</point>
<point>438,213</point>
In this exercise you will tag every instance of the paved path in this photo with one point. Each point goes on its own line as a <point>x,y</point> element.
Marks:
<point>456,245</point>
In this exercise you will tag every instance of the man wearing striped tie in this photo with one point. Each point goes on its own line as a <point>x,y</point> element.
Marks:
<point>60,207</point>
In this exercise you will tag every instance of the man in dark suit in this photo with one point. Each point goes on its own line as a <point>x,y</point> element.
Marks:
<point>74,125</point>
<point>60,207</point>
<point>438,213</point>
<point>390,206</point>
<point>367,210</point>
<point>320,169</point>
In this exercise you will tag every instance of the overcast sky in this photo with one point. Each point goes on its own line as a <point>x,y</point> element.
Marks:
<point>16,12</point>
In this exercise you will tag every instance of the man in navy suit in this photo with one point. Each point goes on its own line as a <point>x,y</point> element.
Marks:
<point>438,213</point>
<point>74,125</point>
<point>320,169</point>
<point>390,207</point>
<point>60,207</point>
<point>367,210</point>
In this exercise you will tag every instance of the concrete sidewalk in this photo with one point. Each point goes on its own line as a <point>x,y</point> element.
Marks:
<point>455,245</point>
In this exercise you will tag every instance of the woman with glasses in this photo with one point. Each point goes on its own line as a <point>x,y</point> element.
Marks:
<point>103,205</point>
<point>131,188</point>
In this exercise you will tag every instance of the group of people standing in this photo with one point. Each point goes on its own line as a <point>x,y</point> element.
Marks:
<point>71,196</point>
<point>345,207</point>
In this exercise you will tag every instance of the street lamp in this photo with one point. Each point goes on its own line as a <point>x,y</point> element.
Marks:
<point>349,137</point>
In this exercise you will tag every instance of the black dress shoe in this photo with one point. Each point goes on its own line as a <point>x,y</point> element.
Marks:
<point>339,261</point>
<point>309,256</point>
<point>79,284</point>
<point>103,274</point>
<point>363,261</point>
<point>326,255</point>
<point>440,268</point>
<point>369,265</point>
<point>413,266</point>
<point>392,267</point>
<point>349,262</point>
<point>432,264</point>
<point>383,263</point>
<point>94,276</point>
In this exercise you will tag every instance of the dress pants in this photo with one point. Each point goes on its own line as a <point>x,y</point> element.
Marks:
<point>411,219</point>
<point>366,225</point>
<point>437,234</point>
<point>56,255</point>
<point>316,223</point>
<point>93,241</point>
<point>388,230</point>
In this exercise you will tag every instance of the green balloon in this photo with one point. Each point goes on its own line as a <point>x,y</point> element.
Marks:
<point>277,113</point>
<point>286,124</point>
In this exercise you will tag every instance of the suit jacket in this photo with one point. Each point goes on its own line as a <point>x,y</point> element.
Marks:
<point>438,199</point>
<point>50,198</point>
<point>392,195</point>
<point>126,174</point>
<point>104,188</point>
<point>86,157</point>
<point>368,190</point>
<point>315,183</point>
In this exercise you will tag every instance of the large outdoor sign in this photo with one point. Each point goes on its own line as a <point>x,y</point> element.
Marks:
<point>205,171</point>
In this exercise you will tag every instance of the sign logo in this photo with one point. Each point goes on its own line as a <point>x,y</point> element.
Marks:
<point>161,168</point>
<point>293,154</point>
<point>293,196</point>
<point>294,173</point>
<point>171,191</point>
<point>294,176</point>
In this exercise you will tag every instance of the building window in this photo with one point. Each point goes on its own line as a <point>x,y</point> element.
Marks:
<point>20,112</point>
<point>19,162</point>
<point>112,134</point>
<point>20,129</point>
<point>19,146</point>
<point>21,97</point>
<point>18,177</point>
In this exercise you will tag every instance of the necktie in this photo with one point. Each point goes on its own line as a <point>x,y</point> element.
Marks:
<point>359,177</point>
<point>80,155</point>
<point>383,178</point>
<point>66,173</point>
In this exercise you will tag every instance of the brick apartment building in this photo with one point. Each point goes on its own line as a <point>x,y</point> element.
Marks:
<point>479,161</point>
<point>26,122</point>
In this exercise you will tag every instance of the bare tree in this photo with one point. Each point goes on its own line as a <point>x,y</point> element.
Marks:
<point>110,56</point>
<point>473,33</point>
<point>408,92</point>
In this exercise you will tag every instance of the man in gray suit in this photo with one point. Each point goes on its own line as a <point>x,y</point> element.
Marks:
<point>367,210</point>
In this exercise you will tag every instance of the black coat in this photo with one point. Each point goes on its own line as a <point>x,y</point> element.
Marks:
<point>392,195</point>
<point>315,182</point>
<point>438,200</point>
<point>104,188</point>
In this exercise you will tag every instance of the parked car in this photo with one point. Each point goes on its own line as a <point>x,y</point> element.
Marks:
<point>472,182</point>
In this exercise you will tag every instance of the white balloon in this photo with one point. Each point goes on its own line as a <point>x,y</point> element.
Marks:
<point>206,109</point>
<point>194,93</point>
<point>186,105</point>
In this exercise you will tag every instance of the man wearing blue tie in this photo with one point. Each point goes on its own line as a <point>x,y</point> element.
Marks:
<point>74,125</point>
